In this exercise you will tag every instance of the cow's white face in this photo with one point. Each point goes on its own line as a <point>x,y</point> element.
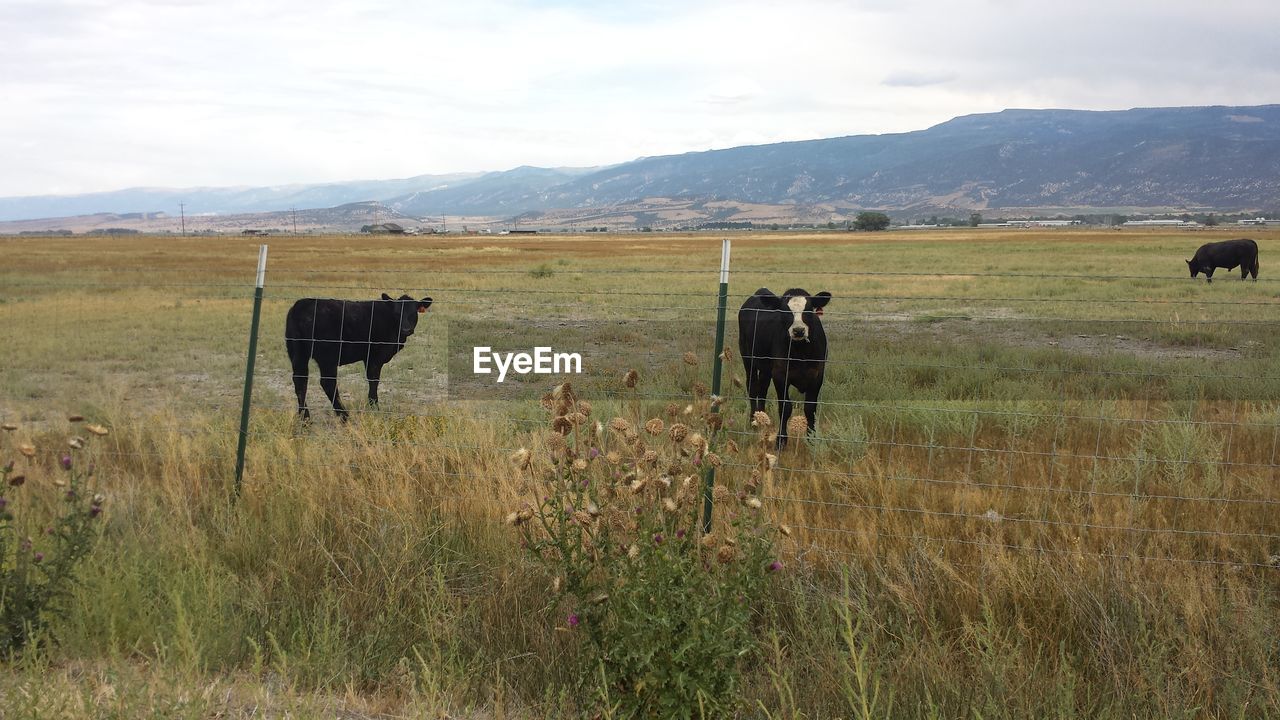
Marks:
<point>799,330</point>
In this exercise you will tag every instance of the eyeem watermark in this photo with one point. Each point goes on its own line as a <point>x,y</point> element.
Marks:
<point>543,361</point>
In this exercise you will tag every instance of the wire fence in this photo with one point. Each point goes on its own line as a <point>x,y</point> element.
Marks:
<point>954,413</point>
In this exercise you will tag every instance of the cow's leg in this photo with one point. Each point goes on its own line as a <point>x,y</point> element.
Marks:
<point>757,388</point>
<point>329,383</point>
<point>1208,275</point>
<point>784,411</point>
<point>1244,271</point>
<point>811,406</point>
<point>373,373</point>
<point>1254,270</point>
<point>301,369</point>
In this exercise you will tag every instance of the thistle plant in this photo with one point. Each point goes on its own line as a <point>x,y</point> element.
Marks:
<point>38,561</point>
<point>662,611</point>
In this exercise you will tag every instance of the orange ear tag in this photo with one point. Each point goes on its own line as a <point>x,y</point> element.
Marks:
<point>818,312</point>
<point>421,309</point>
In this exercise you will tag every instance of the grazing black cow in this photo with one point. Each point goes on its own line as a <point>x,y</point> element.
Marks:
<point>341,332</point>
<point>781,338</point>
<point>1226,254</point>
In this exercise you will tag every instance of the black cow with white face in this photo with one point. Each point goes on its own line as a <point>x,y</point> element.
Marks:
<point>341,332</point>
<point>781,339</point>
<point>1229,254</point>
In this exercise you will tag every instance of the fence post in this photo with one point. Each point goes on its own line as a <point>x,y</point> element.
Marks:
<point>717,368</point>
<point>248,368</point>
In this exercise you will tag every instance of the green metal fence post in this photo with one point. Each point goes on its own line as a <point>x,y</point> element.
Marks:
<point>248,368</point>
<point>717,369</point>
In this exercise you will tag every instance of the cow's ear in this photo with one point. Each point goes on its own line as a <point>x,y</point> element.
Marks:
<point>820,300</point>
<point>424,303</point>
<point>1188,262</point>
<point>768,299</point>
<point>386,296</point>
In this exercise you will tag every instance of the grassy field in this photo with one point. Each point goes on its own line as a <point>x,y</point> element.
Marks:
<point>1043,483</point>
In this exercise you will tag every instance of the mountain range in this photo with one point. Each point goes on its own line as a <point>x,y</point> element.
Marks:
<point>1206,158</point>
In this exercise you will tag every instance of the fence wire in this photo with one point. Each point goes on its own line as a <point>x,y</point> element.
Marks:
<point>902,452</point>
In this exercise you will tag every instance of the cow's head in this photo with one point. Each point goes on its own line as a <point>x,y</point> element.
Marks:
<point>1193,267</point>
<point>406,310</point>
<point>805,310</point>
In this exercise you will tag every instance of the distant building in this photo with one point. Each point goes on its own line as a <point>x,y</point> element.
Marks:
<point>1161,223</point>
<point>1258,221</point>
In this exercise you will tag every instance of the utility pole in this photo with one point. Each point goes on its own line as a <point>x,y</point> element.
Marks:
<point>295,219</point>
<point>182,211</point>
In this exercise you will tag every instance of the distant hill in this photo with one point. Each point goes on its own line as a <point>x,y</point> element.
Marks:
<point>1212,158</point>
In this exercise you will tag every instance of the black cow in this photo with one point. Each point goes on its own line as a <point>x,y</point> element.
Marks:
<point>782,338</point>
<point>1226,254</point>
<point>341,332</point>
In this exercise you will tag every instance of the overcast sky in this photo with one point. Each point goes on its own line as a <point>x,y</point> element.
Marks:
<point>107,94</point>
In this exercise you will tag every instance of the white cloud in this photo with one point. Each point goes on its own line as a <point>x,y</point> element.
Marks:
<point>102,94</point>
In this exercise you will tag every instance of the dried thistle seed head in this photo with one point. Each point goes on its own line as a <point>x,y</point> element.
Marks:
<point>27,450</point>
<point>555,584</point>
<point>579,464</point>
<point>584,407</point>
<point>654,426</point>
<point>708,541</point>
<point>513,517</point>
<point>731,447</point>
<point>669,505</point>
<point>785,530</point>
<point>753,503</point>
<point>770,461</point>
<point>637,485</point>
<point>797,426</point>
<point>690,359</point>
<point>547,402</point>
<point>727,355</point>
<point>620,425</point>
<point>650,457</point>
<point>612,457</point>
<point>631,378</point>
<point>753,480</point>
<point>696,442</point>
<point>592,509</point>
<point>582,518</point>
<point>672,410</point>
<point>555,443</point>
<point>714,421</point>
<point>688,409</point>
<point>737,381</point>
<point>633,552</point>
<point>713,459</point>
<point>562,425</point>
<point>720,494</point>
<point>76,443</point>
<point>96,429</point>
<point>760,419</point>
<point>678,432</point>
<point>700,390</point>
<point>576,418</point>
<point>725,554</point>
<point>522,458</point>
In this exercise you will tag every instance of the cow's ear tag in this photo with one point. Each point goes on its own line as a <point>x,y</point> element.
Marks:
<point>421,309</point>
<point>818,312</point>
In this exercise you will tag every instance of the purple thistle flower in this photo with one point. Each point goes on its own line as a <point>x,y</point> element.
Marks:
<point>573,620</point>
<point>3,503</point>
<point>95,511</point>
<point>593,453</point>
<point>775,566</point>
<point>38,557</point>
<point>680,534</point>
<point>657,538</point>
<point>65,462</point>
